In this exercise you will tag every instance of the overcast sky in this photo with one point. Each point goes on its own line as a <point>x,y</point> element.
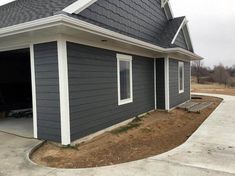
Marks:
<point>212,27</point>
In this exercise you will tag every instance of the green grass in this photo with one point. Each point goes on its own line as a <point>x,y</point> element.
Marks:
<point>124,129</point>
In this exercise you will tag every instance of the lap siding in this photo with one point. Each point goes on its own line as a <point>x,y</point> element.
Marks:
<point>93,89</point>
<point>175,97</point>
<point>47,91</point>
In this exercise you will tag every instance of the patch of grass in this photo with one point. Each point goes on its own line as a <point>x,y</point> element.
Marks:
<point>125,128</point>
<point>136,120</point>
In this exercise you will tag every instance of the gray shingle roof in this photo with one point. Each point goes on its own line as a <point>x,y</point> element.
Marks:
<point>21,11</point>
<point>169,32</point>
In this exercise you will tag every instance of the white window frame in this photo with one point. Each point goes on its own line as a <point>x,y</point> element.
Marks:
<point>122,57</point>
<point>181,65</point>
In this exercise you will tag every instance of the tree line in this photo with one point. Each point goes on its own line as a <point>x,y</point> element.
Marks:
<point>218,74</point>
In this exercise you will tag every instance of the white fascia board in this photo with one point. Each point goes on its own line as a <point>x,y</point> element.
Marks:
<point>78,6</point>
<point>64,20</point>
<point>178,31</point>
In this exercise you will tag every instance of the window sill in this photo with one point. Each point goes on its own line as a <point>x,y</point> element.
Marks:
<point>181,92</point>
<point>123,102</point>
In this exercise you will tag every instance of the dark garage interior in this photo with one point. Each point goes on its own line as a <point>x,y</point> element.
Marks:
<point>15,86</point>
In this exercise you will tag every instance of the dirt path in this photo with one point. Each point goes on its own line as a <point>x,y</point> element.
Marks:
<point>157,133</point>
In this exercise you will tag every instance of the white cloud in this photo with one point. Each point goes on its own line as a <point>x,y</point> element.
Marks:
<point>212,26</point>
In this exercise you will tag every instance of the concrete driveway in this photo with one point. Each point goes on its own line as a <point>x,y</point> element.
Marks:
<point>209,152</point>
<point>19,126</point>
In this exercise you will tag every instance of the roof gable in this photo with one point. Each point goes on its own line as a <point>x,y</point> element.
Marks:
<point>183,32</point>
<point>143,20</point>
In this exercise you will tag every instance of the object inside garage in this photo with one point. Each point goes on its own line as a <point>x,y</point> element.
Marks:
<point>16,93</point>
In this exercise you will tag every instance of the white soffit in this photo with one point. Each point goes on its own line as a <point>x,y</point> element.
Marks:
<point>78,6</point>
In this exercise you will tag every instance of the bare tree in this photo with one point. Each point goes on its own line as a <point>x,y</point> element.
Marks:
<point>221,75</point>
<point>196,69</point>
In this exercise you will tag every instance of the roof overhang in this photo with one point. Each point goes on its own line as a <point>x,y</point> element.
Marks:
<point>78,28</point>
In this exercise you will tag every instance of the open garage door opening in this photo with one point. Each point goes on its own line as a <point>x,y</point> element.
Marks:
<point>16,93</point>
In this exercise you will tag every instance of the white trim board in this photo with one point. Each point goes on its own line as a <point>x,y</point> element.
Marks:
<point>34,97</point>
<point>155,84</point>
<point>78,6</point>
<point>167,81</point>
<point>122,57</point>
<point>181,65</point>
<point>64,92</point>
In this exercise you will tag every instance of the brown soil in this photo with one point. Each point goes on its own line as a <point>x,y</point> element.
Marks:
<point>213,88</point>
<point>156,133</point>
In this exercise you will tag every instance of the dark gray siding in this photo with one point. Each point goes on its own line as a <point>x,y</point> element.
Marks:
<point>160,81</point>
<point>144,20</point>
<point>180,40</point>
<point>93,89</point>
<point>47,91</point>
<point>175,97</point>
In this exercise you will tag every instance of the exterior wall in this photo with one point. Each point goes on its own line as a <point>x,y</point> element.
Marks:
<point>160,83</point>
<point>180,40</point>
<point>175,97</point>
<point>93,89</point>
<point>142,20</point>
<point>47,91</point>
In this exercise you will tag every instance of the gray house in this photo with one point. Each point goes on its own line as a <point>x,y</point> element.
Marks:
<point>94,63</point>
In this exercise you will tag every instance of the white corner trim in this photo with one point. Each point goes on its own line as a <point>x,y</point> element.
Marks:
<point>155,85</point>
<point>34,100</point>
<point>78,6</point>
<point>181,65</point>
<point>64,91</point>
<point>167,89</point>
<point>178,31</point>
<point>122,57</point>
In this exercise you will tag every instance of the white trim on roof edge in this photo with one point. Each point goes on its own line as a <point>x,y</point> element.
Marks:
<point>78,6</point>
<point>64,20</point>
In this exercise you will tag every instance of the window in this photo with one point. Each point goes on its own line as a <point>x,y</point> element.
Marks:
<point>181,77</point>
<point>125,88</point>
